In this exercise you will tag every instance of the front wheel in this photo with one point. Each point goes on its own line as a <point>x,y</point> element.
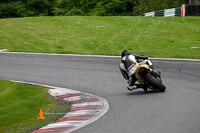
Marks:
<point>155,82</point>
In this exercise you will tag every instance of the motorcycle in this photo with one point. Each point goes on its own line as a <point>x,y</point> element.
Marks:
<point>148,77</point>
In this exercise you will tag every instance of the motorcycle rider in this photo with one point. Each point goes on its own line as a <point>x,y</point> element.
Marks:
<point>128,66</point>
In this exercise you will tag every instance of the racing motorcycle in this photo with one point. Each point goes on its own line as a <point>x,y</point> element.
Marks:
<point>148,77</point>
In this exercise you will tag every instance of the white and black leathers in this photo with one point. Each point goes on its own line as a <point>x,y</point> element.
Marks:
<point>128,67</point>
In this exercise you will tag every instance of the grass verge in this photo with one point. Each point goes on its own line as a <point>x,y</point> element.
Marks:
<point>19,107</point>
<point>155,36</point>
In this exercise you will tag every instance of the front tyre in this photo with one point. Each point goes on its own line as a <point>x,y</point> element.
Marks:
<point>155,82</point>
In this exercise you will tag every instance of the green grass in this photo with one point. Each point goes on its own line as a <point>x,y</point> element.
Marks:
<point>154,36</point>
<point>19,107</point>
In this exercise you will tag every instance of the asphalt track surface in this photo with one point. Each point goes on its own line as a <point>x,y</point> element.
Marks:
<point>175,111</point>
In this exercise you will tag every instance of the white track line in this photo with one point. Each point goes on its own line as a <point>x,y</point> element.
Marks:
<point>99,56</point>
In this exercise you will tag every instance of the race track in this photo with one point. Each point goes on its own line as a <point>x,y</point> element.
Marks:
<point>175,111</point>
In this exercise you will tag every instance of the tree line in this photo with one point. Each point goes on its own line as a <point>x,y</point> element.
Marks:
<point>24,8</point>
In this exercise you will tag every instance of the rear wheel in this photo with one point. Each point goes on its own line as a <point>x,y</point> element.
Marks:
<point>155,82</point>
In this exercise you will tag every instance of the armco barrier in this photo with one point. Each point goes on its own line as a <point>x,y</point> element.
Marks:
<point>185,10</point>
<point>173,12</point>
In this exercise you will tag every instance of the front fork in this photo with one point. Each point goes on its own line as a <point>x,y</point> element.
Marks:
<point>156,74</point>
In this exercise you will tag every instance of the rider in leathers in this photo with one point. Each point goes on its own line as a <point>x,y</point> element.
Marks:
<point>129,65</point>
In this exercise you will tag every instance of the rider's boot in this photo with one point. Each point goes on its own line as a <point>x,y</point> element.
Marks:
<point>134,87</point>
<point>130,88</point>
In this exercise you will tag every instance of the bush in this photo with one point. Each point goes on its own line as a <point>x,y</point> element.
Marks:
<point>92,7</point>
<point>39,7</point>
<point>24,8</point>
<point>12,9</point>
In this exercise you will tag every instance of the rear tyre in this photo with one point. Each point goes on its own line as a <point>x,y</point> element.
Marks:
<point>155,82</point>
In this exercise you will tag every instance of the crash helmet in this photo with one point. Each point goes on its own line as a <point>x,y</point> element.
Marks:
<point>124,53</point>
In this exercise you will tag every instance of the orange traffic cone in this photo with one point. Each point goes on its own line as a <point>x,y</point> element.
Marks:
<point>41,115</point>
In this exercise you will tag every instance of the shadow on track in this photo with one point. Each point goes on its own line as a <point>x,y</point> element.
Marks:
<point>141,92</point>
